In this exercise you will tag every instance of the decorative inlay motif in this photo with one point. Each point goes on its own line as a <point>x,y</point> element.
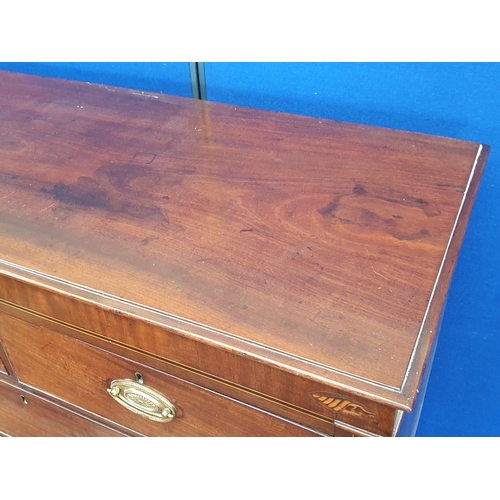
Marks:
<point>342,405</point>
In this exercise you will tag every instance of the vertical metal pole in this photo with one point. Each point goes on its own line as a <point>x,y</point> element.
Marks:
<point>198,83</point>
<point>201,79</point>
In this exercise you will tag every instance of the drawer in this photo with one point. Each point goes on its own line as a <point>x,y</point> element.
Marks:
<point>25,414</point>
<point>82,374</point>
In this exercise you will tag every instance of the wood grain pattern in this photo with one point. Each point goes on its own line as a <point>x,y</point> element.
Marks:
<point>324,249</point>
<point>80,374</point>
<point>2,367</point>
<point>23,413</point>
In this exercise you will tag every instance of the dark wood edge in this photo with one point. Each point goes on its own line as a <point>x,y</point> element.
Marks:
<point>407,425</point>
<point>430,325</point>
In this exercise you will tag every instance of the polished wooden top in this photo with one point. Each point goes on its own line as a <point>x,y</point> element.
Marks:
<point>328,243</point>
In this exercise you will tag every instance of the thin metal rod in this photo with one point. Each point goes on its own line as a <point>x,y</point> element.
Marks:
<point>198,83</point>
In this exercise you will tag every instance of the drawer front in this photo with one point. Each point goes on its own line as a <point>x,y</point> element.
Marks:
<point>25,414</point>
<point>82,374</point>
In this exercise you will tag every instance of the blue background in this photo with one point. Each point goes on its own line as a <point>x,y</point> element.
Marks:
<point>459,100</point>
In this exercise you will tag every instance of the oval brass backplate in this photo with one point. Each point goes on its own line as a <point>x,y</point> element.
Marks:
<point>142,400</point>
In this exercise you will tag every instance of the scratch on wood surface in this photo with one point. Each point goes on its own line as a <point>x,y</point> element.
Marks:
<point>46,208</point>
<point>10,194</point>
<point>313,320</point>
<point>145,95</point>
<point>378,274</point>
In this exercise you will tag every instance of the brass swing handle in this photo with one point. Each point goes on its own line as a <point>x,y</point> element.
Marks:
<point>142,400</point>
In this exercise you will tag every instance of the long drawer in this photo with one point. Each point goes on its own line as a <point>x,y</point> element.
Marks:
<point>85,375</point>
<point>23,413</point>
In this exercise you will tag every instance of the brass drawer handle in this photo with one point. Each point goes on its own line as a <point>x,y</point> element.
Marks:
<point>142,400</point>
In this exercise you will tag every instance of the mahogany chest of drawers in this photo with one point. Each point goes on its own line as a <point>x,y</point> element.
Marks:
<point>173,267</point>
